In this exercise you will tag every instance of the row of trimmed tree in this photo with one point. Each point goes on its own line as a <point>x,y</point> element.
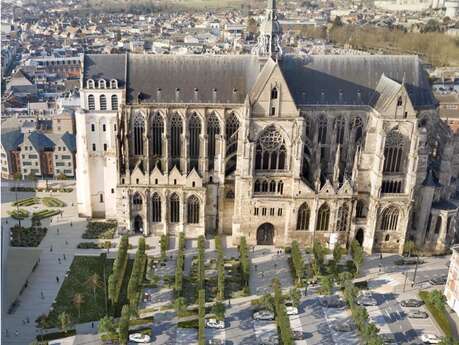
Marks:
<point>244,263</point>
<point>137,275</point>
<point>119,269</point>
<point>282,319</point>
<point>220,269</point>
<point>180,263</point>
<point>201,263</point>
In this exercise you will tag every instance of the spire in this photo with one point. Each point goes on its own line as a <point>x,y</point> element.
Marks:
<point>270,31</point>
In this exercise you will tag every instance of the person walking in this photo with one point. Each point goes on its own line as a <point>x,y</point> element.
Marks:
<point>57,231</point>
<point>59,260</point>
<point>51,248</point>
<point>71,224</point>
<point>27,319</point>
<point>16,333</point>
<point>42,295</point>
<point>6,332</point>
<point>66,242</point>
<point>57,279</point>
<point>65,258</point>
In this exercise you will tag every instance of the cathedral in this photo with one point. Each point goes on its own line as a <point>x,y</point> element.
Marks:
<point>271,146</point>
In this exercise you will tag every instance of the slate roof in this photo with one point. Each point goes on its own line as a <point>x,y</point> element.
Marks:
<point>444,205</point>
<point>105,66</point>
<point>12,139</point>
<point>40,141</point>
<point>148,73</point>
<point>309,76</point>
<point>386,90</point>
<point>70,141</point>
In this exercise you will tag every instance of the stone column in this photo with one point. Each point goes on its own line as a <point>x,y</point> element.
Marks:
<point>184,147</point>
<point>164,213</point>
<point>147,212</point>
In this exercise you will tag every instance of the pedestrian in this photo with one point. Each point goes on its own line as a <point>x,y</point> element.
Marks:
<point>66,242</point>
<point>26,283</point>
<point>59,260</point>
<point>65,258</point>
<point>71,224</point>
<point>57,279</point>
<point>57,231</point>
<point>256,267</point>
<point>262,275</point>
<point>380,256</point>
<point>51,248</point>
<point>23,322</point>
<point>253,249</point>
<point>6,221</point>
<point>6,332</point>
<point>229,302</point>
<point>16,333</point>
<point>275,265</point>
<point>92,324</point>
<point>42,294</point>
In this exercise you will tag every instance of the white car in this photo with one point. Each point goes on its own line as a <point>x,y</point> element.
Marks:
<point>214,323</point>
<point>263,315</point>
<point>430,338</point>
<point>139,338</point>
<point>291,310</point>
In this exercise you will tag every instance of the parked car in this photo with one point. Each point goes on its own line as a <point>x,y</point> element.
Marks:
<point>291,310</point>
<point>417,314</point>
<point>388,339</point>
<point>411,303</point>
<point>298,335</point>
<point>263,315</point>
<point>332,302</point>
<point>215,342</point>
<point>438,280</point>
<point>214,323</point>
<point>367,301</point>
<point>343,326</point>
<point>270,339</point>
<point>408,262</point>
<point>430,339</point>
<point>139,338</point>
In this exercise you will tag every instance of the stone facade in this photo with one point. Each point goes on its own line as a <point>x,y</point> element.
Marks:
<point>271,147</point>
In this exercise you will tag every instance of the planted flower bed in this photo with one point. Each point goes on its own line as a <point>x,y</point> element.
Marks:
<point>100,230</point>
<point>45,214</point>
<point>19,214</point>
<point>52,202</point>
<point>27,237</point>
<point>26,202</point>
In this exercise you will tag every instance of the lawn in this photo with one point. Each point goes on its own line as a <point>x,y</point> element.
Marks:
<point>19,214</point>
<point>438,313</point>
<point>45,213</point>
<point>27,237</point>
<point>26,202</point>
<point>49,201</point>
<point>100,230</point>
<point>93,308</point>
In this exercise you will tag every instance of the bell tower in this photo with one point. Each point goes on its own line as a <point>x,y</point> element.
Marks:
<point>270,34</point>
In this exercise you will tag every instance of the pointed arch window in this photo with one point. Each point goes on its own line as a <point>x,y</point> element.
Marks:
<point>323,218</point>
<point>175,139</point>
<point>137,202</point>
<point>213,129</point>
<point>280,187</point>
<point>360,211</point>
<point>156,132</point>
<point>343,215</point>
<point>193,210</point>
<point>322,137</point>
<point>231,136</point>
<point>103,102</point>
<point>393,152</point>
<point>339,127</point>
<point>308,127</point>
<point>270,153</point>
<point>357,128</point>
<point>272,186</point>
<point>257,187</point>
<point>139,129</point>
<point>114,102</point>
<point>264,186</point>
<point>194,127</point>
<point>91,102</point>
<point>274,93</point>
<point>389,219</point>
<point>302,222</point>
<point>174,206</point>
<point>156,208</point>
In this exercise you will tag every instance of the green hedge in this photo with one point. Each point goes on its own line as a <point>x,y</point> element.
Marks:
<point>179,266</point>
<point>119,268</point>
<point>282,319</point>
<point>45,214</point>
<point>123,326</point>
<point>26,202</point>
<point>220,269</point>
<point>164,244</point>
<point>94,245</point>
<point>56,335</point>
<point>297,263</point>
<point>52,202</point>
<point>27,237</point>
<point>137,275</point>
<point>19,214</point>
<point>245,262</point>
<point>201,268</point>
<point>202,315</point>
<point>100,230</point>
<point>437,310</point>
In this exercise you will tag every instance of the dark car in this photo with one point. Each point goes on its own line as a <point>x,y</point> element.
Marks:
<point>332,302</point>
<point>417,314</point>
<point>438,280</point>
<point>298,335</point>
<point>411,303</point>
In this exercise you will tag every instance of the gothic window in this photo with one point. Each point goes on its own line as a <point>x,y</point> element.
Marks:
<point>137,202</point>
<point>156,132</point>
<point>257,187</point>
<point>323,218</point>
<point>389,219</point>
<point>272,186</point>
<point>231,134</point>
<point>357,127</point>
<point>193,210</point>
<point>175,140</point>
<point>302,222</point>
<point>138,134</point>
<point>156,208</point>
<point>393,152</point>
<point>308,128</point>
<point>230,194</point>
<point>264,186</point>
<point>213,128</point>
<point>339,127</point>
<point>274,93</point>
<point>322,137</point>
<point>114,102</point>
<point>438,225</point>
<point>174,201</point>
<point>343,213</point>
<point>280,187</point>
<point>360,209</point>
<point>91,102</point>
<point>103,102</point>
<point>270,151</point>
<point>399,102</point>
<point>194,126</point>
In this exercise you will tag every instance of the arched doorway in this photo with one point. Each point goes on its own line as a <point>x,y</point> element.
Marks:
<point>265,234</point>
<point>138,224</point>
<point>359,236</point>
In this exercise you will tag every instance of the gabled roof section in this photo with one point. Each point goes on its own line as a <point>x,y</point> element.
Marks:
<point>386,90</point>
<point>352,79</point>
<point>105,66</point>
<point>40,141</point>
<point>21,75</point>
<point>12,139</point>
<point>70,141</point>
<point>262,79</point>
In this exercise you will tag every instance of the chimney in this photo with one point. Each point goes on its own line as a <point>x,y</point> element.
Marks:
<point>158,94</point>
<point>196,95</point>
<point>214,95</point>
<point>177,94</point>
<point>235,95</point>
